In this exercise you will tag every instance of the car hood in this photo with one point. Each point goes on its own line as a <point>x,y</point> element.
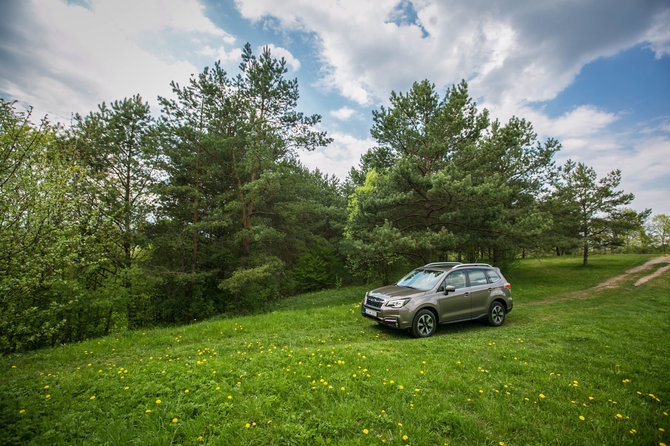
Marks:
<point>390,291</point>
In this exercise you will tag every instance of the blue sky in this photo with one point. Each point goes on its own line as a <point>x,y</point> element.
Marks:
<point>594,74</point>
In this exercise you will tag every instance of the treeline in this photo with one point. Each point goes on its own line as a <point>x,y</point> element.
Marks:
<point>125,220</point>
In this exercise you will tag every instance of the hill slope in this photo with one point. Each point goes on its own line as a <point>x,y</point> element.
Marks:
<point>569,368</point>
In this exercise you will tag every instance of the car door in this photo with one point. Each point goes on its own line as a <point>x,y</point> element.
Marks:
<point>455,305</point>
<point>480,291</point>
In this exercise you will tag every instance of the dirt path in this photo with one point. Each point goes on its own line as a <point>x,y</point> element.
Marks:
<point>611,282</point>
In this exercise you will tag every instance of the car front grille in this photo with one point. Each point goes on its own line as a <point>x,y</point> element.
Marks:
<point>374,301</point>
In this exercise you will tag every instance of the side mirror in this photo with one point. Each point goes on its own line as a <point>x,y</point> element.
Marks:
<point>449,288</point>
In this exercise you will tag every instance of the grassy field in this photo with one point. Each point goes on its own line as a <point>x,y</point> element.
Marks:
<point>570,366</point>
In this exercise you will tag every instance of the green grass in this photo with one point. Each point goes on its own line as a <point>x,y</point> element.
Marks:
<point>315,372</point>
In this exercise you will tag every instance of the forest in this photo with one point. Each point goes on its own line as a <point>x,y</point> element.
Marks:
<point>130,217</point>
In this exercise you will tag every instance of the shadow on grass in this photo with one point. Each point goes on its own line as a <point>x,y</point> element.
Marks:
<point>442,330</point>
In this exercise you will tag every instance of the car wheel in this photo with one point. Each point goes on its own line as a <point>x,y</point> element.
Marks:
<point>496,314</point>
<point>424,324</point>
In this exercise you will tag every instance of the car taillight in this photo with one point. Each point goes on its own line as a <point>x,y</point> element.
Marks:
<point>508,286</point>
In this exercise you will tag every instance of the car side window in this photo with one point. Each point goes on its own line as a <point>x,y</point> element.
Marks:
<point>477,277</point>
<point>455,279</point>
<point>493,276</point>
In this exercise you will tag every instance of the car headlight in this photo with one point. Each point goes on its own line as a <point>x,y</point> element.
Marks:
<point>398,303</point>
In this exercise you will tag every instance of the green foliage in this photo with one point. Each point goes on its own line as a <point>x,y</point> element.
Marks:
<point>317,269</point>
<point>450,183</point>
<point>592,206</point>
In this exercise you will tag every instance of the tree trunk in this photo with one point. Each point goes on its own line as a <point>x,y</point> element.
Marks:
<point>586,252</point>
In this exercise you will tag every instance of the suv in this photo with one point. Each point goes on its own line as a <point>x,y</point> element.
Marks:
<point>441,293</point>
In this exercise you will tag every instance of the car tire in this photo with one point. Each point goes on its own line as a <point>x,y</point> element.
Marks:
<point>496,315</point>
<point>425,324</point>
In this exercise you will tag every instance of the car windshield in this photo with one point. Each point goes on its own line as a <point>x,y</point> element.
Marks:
<point>421,279</point>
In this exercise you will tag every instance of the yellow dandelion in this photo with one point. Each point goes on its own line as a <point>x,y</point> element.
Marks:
<point>158,401</point>
<point>22,411</point>
<point>13,366</point>
<point>542,395</point>
<point>186,391</point>
<point>200,438</point>
<point>400,424</point>
<point>661,429</point>
<point>46,387</point>
<point>365,431</point>
<point>400,387</point>
<point>342,388</point>
<point>126,388</point>
<point>174,420</point>
<point>230,397</point>
<point>269,421</point>
<point>92,398</point>
<point>147,411</point>
<point>247,425</point>
<point>47,396</point>
<point>633,432</point>
<point>502,443</point>
<point>405,437</point>
<point>581,417</point>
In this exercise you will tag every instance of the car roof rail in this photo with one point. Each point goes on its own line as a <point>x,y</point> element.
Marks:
<point>473,264</point>
<point>444,264</point>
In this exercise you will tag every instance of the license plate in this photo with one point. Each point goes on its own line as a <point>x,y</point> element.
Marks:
<point>371,312</point>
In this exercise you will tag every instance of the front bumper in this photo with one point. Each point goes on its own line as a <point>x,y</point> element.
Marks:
<point>390,317</point>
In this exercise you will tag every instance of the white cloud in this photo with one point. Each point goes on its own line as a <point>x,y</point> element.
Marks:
<point>108,50</point>
<point>343,113</point>
<point>659,35</point>
<point>339,157</point>
<point>510,51</point>
<point>279,52</point>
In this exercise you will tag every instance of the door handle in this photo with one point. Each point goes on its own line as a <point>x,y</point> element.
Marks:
<point>466,294</point>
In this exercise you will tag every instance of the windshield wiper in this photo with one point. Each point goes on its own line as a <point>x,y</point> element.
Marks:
<point>405,286</point>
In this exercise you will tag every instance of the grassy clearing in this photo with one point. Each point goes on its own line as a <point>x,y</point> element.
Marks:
<point>591,370</point>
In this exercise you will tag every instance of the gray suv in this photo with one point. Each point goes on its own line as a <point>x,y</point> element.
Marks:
<point>441,293</point>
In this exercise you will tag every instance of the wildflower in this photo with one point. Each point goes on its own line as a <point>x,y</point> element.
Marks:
<point>92,398</point>
<point>365,431</point>
<point>633,432</point>
<point>22,411</point>
<point>542,395</point>
<point>619,416</point>
<point>269,421</point>
<point>46,387</point>
<point>581,417</point>
<point>342,388</point>
<point>13,366</point>
<point>400,387</point>
<point>186,391</point>
<point>405,437</point>
<point>147,411</point>
<point>200,438</point>
<point>158,401</point>
<point>47,396</point>
<point>502,443</point>
<point>174,420</point>
<point>126,388</point>
<point>230,397</point>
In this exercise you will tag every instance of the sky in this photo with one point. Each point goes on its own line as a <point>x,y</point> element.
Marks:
<point>594,74</point>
